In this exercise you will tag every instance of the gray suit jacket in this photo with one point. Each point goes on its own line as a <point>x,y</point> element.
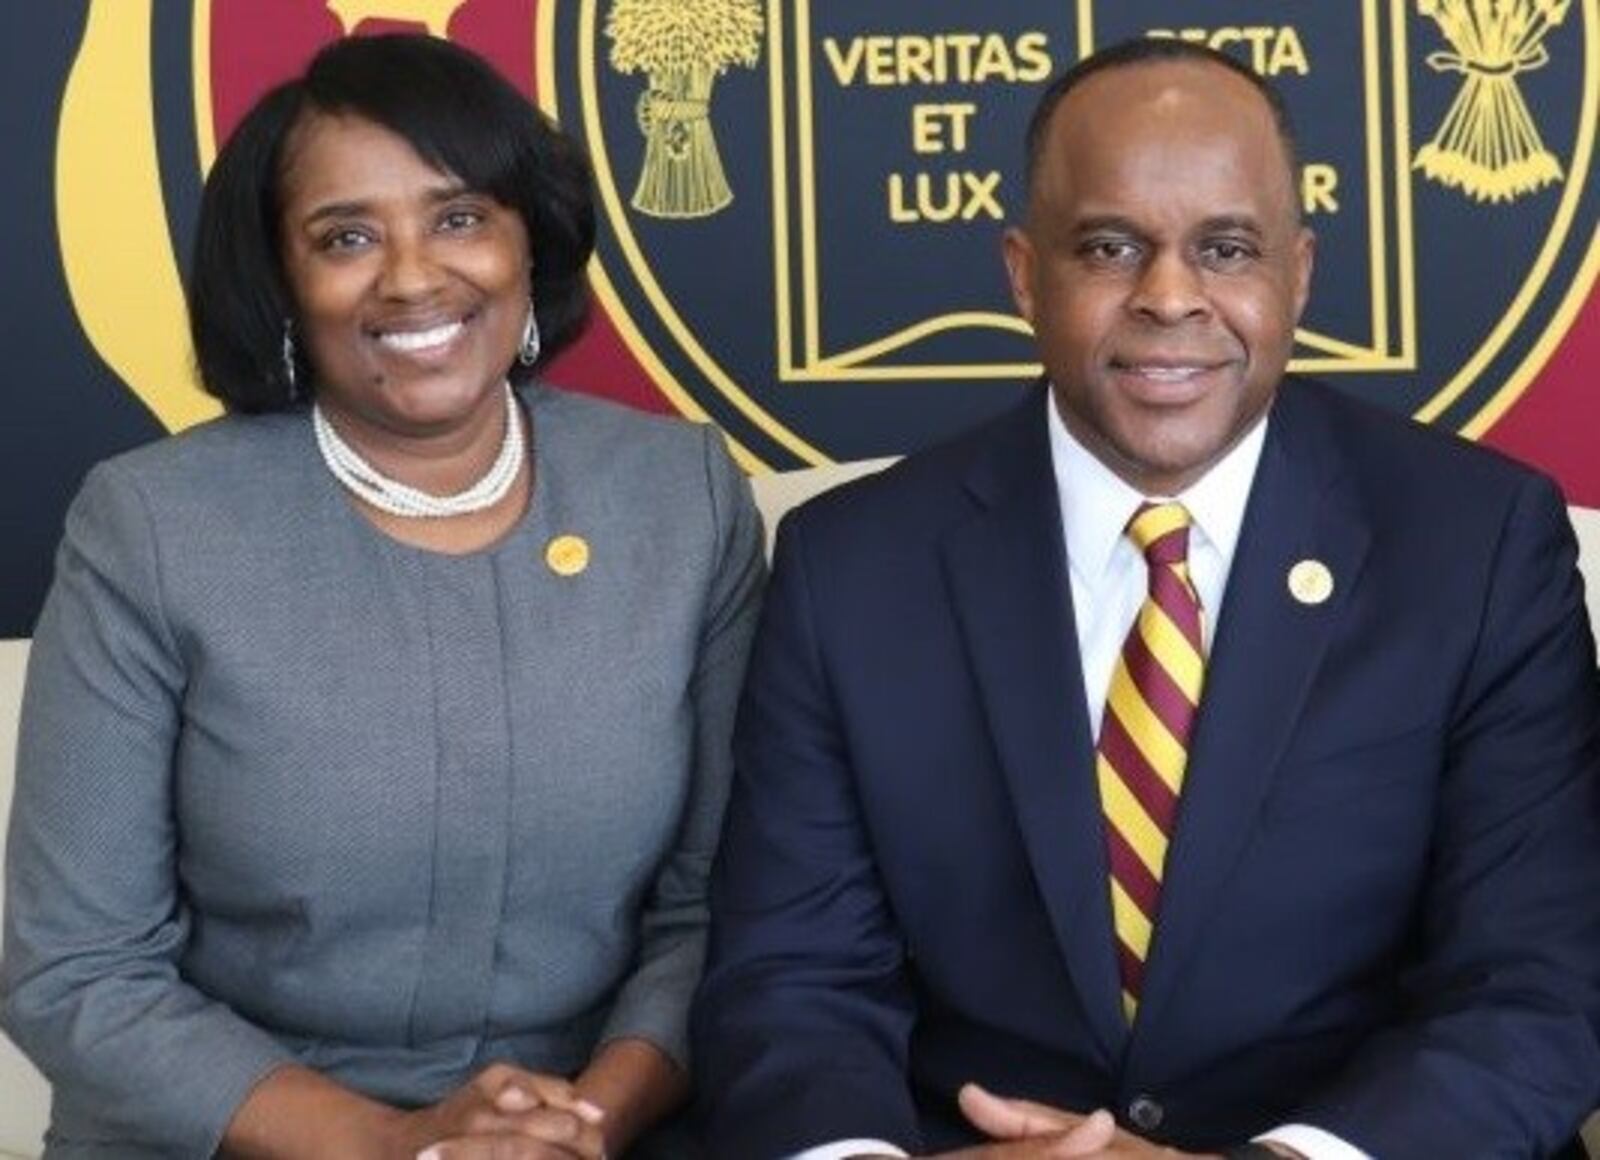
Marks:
<point>290,790</point>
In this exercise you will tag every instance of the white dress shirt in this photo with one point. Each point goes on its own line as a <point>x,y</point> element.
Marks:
<point>1109,580</point>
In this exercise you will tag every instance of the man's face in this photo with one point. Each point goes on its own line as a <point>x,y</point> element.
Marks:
<point>1162,266</point>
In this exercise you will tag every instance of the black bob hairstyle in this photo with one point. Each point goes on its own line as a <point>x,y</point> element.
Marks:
<point>461,117</point>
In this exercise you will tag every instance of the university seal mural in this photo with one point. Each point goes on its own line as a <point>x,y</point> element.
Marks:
<point>801,203</point>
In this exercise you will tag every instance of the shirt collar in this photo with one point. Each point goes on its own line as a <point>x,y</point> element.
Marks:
<point>1096,503</point>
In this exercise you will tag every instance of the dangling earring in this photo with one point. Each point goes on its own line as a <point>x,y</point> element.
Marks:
<point>288,359</point>
<point>528,349</point>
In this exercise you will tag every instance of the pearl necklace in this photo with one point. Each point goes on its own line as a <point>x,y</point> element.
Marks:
<point>399,499</point>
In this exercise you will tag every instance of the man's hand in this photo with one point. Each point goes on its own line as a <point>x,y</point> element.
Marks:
<point>1063,1134</point>
<point>505,1113</point>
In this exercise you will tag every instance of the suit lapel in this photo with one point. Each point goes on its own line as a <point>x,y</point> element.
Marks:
<point>1006,569</point>
<point>1268,648</point>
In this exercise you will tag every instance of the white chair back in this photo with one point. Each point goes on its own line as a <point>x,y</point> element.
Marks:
<point>24,1096</point>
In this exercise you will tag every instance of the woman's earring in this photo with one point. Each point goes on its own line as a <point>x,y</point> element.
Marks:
<point>528,349</point>
<point>288,359</point>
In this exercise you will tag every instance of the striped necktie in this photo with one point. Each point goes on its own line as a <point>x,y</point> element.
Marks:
<point>1144,735</point>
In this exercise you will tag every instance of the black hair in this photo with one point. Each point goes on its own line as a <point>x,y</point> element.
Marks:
<point>1146,50</point>
<point>460,116</point>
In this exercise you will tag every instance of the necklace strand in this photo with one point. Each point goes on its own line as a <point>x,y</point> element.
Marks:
<point>399,499</point>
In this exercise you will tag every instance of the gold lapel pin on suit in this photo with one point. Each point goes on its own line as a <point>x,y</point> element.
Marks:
<point>1310,582</point>
<point>567,555</point>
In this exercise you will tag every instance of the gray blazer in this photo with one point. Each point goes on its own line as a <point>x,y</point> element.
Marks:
<point>290,790</point>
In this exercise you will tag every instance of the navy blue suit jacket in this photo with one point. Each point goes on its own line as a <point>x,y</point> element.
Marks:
<point>1381,911</point>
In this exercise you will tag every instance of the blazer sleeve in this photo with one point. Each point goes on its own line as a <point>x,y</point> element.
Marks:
<point>96,924</point>
<point>1496,1053</point>
<point>803,1022</point>
<point>653,1002</point>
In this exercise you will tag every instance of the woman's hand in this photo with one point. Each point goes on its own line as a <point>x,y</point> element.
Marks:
<point>505,1113</point>
<point>637,1085</point>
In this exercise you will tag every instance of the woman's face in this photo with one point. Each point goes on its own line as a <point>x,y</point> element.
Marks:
<point>411,291</point>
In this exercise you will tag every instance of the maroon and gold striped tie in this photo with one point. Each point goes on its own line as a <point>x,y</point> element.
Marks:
<point>1144,735</point>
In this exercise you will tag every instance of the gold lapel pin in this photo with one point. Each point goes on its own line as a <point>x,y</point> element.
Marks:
<point>1310,582</point>
<point>567,555</point>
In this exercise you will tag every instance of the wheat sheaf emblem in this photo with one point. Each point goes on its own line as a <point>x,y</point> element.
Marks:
<point>1488,144</point>
<point>682,47</point>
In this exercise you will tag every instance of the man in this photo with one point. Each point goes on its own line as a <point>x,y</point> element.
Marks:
<point>1189,744</point>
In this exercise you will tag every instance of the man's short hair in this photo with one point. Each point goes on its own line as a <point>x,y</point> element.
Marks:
<point>1148,50</point>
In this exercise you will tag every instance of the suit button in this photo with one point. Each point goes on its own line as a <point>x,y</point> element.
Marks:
<point>1145,1114</point>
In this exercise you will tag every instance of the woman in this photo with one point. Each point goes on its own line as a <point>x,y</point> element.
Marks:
<point>375,738</point>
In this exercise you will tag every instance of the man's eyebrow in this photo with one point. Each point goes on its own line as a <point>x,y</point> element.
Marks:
<point>1232,223</point>
<point>1108,223</point>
